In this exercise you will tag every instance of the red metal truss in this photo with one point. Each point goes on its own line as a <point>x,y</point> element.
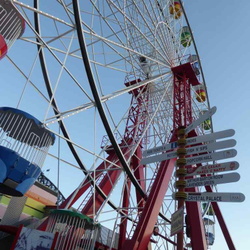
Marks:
<point>109,180</point>
<point>182,96</point>
<point>75,195</point>
<point>188,71</point>
<point>124,221</point>
<point>136,120</point>
<point>195,224</point>
<point>184,76</point>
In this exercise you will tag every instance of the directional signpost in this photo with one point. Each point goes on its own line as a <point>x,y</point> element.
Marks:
<point>212,180</point>
<point>205,152</point>
<point>186,156</point>
<point>215,197</point>
<point>213,168</point>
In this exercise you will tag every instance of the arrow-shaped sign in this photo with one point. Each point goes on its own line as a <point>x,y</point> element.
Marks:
<point>211,147</point>
<point>214,168</point>
<point>212,180</point>
<point>215,197</point>
<point>201,119</point>
<point>192,160</point>
<point>191,141</point>
<point>211,157</point>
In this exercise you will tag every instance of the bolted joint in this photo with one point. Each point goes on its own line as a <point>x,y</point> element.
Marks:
<point>181,172</point>
<point>181,162</point>
<point>180,184</point>
<point>181,152</point>
<point>181,132</point>
<point>181,142</point>
<point>180,196</point>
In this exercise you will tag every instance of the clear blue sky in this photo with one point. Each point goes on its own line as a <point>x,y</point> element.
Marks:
<point>222,33</point>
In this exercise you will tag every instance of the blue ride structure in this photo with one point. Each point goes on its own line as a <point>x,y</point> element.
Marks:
<point>24,145</point>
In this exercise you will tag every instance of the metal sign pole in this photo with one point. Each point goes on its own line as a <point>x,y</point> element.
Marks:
<point>180,183</point>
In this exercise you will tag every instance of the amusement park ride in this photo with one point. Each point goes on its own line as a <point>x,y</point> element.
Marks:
<point>153,183</point>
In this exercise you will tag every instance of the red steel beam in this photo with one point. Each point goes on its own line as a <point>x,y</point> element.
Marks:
<point>106,185</point>
<point>124,220</point>
<point>195,221</point>
<point>139,175</point>
<point>148,218</point>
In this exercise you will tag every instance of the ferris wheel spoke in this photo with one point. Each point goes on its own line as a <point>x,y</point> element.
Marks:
<point>63,66</point>
<point>35,10</point>
<point>133,27</point>
<point>99,105</point>
<point>148,22</point>
<point>113,45</point>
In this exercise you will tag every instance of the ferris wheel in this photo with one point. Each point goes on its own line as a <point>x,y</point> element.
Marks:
<point>112,80</point>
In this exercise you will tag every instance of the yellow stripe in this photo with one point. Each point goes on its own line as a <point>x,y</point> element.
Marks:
<point>41,199</point>
<point>33,212</point>
<point>35,204</point>
<point>5,200</point>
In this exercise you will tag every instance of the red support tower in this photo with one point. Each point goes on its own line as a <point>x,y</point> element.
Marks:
<point>183,77</point>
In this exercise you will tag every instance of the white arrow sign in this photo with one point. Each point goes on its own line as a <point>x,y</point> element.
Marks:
<point>191,141</point>
<point>201,119</point>
<point>192,150</point>
<point>212,180</point>
<point>211,157</point>
<point>211,147</point>
<point>214,168</point>
<point>215,197</point>
<point>157,158</point>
